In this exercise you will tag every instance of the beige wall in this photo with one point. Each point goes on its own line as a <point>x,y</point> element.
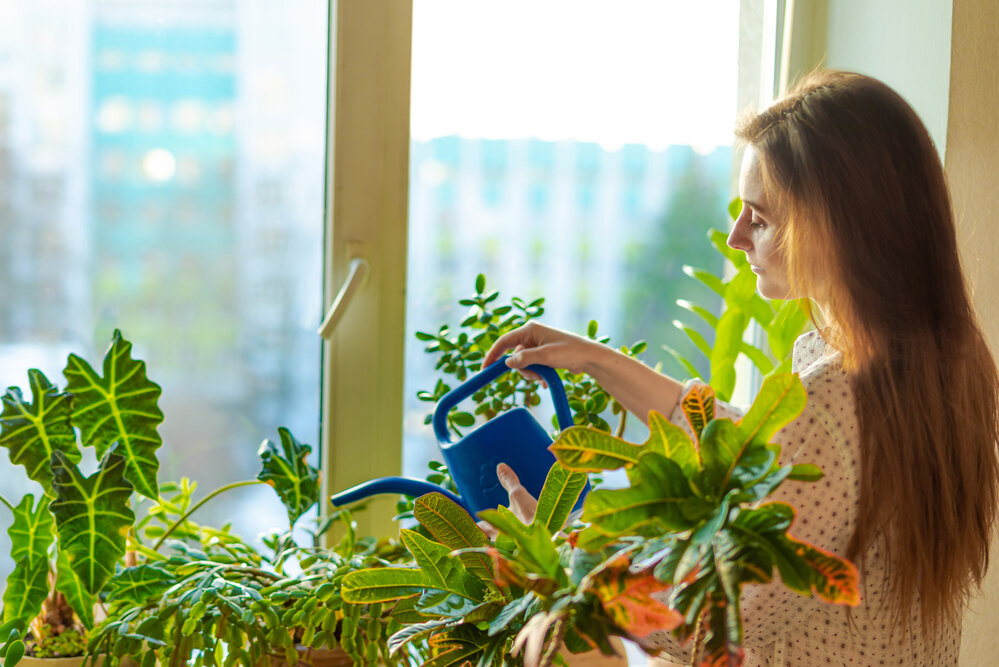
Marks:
<point>972,160</point>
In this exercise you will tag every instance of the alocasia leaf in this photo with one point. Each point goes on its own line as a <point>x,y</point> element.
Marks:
<point>31,536</point>
<point>81,600</point>
<point>120,406</point>
<point>32,431</point>
<point>295,481</point>
<point>454,528</point>
<point>558,496</point>
<point>92,516</point>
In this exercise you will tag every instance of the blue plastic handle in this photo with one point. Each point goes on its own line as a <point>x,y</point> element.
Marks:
<point>400,485</point>
<point>487,375</point>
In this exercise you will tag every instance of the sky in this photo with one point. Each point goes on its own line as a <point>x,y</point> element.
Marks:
<point>656,72</point>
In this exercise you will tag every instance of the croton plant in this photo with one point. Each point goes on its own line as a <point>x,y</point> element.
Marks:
<point>671,551</point>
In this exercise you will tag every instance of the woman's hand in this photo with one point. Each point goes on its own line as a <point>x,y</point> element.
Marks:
<point>536,343</point>
<point>633,384</point>
<point>522,503</point>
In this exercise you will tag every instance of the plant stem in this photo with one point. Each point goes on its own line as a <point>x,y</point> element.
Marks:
<point>218,491</point>
<point>621,423</point>
<point>7,503</point>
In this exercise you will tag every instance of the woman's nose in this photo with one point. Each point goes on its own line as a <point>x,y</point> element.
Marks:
<point>738,238</point>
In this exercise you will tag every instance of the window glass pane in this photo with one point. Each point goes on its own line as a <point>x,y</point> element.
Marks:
<point>161,172</point>
<point>576,151</point>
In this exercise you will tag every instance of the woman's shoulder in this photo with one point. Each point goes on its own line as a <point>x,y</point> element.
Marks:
<point>812,353</point>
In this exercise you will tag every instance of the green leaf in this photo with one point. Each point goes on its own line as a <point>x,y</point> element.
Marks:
<point>585,449</point>
<point>122,406</point>
<point>834,579</point>
<point>295,481</point>
<point>517,607</point>
<point>81,601</point>
<point>452,526</point>
<point>140,583</point>
<point>805,472</point>
<point>735,208</point>
<point>789,321</point>
<point>480,283</point>
<point>728,343</point>
<point>92,516</point>
<point>779,401</point>
<point>534,542</point>
<point>695,337</point>
<point>415,631</point>
<point>673,442</point>
<point>442,571</point>
<point>558,496</point>
<point>658,489</point>
<point>720,449</point>
<point>698,406</point>
<point>33,431</point>
<point>30,538</point>
<point>683,361</point>
<point>383,584</point>
<point>700,311</point>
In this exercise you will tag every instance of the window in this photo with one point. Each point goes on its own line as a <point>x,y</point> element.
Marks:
<point>152,223</point>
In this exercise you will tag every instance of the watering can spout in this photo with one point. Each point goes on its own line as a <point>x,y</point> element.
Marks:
<point>398,485</point>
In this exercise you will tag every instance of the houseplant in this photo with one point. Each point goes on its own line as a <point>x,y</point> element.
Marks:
<point>96,539</point>
<point>690,526</point>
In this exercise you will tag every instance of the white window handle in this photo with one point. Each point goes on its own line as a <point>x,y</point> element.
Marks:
<point>356,274</point>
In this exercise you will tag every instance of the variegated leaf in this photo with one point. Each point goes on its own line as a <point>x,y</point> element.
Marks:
<point>120,406</point>
<point>293,478</point>
<point>673,442</point>
<point>698,406</point>
<point>585,449</point>
<point>835,579</point>
<point>454,528</point>
<point>92,516</point>
<point>32,431</point>
<point>628,599</point>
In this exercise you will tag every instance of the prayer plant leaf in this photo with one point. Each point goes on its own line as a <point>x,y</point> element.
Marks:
<point>288,471</point>
<point>32,431</point>
<point>92,516</point>
<point>656,495</point>
<point>383,584</point>
<point>120,406</point>
<point>585,449</point>
<point>558,496</point>
<point>30,536</point>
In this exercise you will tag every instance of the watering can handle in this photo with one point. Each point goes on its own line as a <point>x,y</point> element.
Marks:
<point>487,375</point>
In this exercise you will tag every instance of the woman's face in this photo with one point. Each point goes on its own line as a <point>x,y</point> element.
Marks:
<point>756,231</point>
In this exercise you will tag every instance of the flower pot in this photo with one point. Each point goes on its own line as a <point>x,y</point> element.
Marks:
<point>31,661</point>
<point>318,657</point>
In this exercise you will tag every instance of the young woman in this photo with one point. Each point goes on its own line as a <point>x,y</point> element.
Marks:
<point>845,202</point>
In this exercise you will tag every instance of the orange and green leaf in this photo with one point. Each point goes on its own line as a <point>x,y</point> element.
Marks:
<point>628,599</point>
<point>699,407</point>
<point>836,579</point>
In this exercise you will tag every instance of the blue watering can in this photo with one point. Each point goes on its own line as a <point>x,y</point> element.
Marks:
<point>513,437</point>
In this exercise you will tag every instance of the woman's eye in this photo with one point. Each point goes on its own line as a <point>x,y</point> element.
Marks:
<point>756,223</point>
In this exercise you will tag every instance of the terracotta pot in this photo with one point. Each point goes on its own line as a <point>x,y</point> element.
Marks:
<point>30,661</point>
<point>319,657</point>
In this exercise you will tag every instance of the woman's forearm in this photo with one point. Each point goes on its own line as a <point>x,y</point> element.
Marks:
<point>635,386</point>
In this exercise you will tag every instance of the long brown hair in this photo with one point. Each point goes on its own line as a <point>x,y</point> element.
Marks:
<point>870,236</point>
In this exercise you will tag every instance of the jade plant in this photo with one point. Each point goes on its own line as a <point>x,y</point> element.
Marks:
<point>780,322</point>
<point>671,551</point>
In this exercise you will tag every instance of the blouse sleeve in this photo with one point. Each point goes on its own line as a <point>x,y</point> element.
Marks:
<point>822,435</point>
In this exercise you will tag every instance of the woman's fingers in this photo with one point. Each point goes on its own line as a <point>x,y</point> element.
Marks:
<point>522,503</point>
